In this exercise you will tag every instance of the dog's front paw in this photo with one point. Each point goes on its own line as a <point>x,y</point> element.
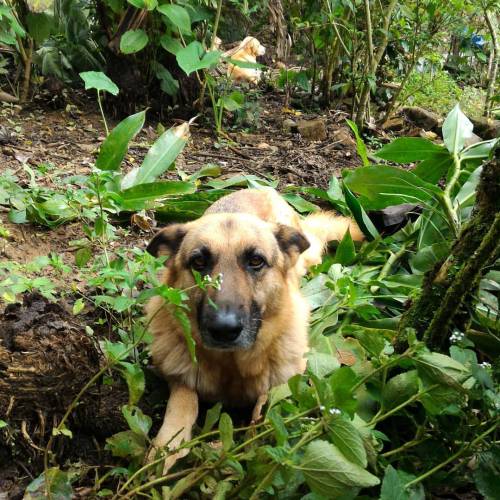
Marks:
<point>169,458</point>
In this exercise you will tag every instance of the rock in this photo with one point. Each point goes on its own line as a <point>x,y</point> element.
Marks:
<point>427,134</point>
<point>343,136</point>
<point>474,139</point>
<point>289,125</point>
<point>421,117</point>
<point>313,130</point>
<point>486,127</point>
<point>394,124</point>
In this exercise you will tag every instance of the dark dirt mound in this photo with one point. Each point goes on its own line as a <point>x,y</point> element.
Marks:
<point>46,357</point>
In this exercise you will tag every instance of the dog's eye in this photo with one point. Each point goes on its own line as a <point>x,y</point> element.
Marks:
<point>256,262</point>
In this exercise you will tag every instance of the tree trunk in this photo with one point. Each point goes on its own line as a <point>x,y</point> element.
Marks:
<point>449,290</point>
<point>492,26</point>
<point>374,58</point>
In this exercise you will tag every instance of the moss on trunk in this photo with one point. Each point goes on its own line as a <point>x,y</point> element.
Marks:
<point>449,288</point>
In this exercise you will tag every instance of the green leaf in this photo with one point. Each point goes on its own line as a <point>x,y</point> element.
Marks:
<point>133,41</point>
<point>342,382</point>
<point>400,388</point>
<point>393,488</point>
<point>78,306</point>
<point>434,168</point>
<point>99,81</point>
<point>168,83</point>
<point>467,194</point>
<point>321,364</point>
<point>39,25</point>
<point>115,146</point>
<point>3,424</point>
<point>328,472</point>
<point>361,217</point>
<point>299,203</point>
<point>126,444</point>
<point>348,440</point>
<point>360,145</point>
<point>226,431</point>
<point>372,339</point>
<point>56,481</point>
<point>384,186</point>
<point>185,323</point>
<point>479,150</point>
<point>178,16</point>
<point>82,256</point>
<point>487,473</point>
<point>410,149</point>
<point>134,376</point>
<point>154,191</point>
<point>426,258</point>
<point>346,252</point>
<point>136,420</point>
<point>456,129</point>
<point>159,158</point>
<point>170,44</point>
<point>211,417</point>
<point>193,58</point>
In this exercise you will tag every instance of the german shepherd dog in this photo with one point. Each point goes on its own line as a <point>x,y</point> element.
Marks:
<point>251,333</point>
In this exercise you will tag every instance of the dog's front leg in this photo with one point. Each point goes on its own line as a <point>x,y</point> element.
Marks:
<point>257,409</point>
<point>180,416</point>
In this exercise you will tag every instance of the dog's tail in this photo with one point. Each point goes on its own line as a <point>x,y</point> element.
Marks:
<point>322,227</point>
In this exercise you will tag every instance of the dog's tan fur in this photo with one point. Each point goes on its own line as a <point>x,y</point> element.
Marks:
<point>241,377</point>
<point>246,51</point>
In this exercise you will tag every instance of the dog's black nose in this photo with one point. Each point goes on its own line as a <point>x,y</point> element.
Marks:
<point>224,325</point>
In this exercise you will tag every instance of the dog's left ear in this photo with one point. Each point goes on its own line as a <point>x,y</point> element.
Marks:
<point>167,241</point>
<point>291,241</point>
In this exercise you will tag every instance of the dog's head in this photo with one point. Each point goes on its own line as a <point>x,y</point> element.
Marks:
<point>254,259</point>
<point>251,45</point>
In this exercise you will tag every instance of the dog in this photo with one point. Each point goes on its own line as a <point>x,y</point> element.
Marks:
<point>251,333</point>
<point>246,51</point>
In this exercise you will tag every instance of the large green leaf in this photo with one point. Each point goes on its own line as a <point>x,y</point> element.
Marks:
<point>133,41</point>
<point>39,26</point>
<point>114,148</point>
<point>159,158</point>
<point>348,440</point>
<point>409,149</point>
<point>99,81</point>
<point>178,15</point>
<point>467,194</point>
<point>226,431</point>
<point>193,58</point>
<point>393,488</point>
<point>328,472</point>
<point>359,214</point>
<point>360,145</point>
<point>456,128</point>
<point>53,481</point>
<point>383,186</point>
<point>346,253</point>
<point>435,167</point>
<point>134,197</point>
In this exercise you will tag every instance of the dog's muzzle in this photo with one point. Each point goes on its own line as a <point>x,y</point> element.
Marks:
<point>228,326</point>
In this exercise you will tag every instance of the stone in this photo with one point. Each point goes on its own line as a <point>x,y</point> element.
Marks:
<point>289,125</point>
<point>486,127</point>
<point>474,139</point>
<point>312,130</point>
<point>394,124</point>
<point>422,118</point>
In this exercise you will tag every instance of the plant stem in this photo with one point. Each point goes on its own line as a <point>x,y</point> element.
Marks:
<point>269,476</point>
<point>102,113</point>
<point>453,457</point>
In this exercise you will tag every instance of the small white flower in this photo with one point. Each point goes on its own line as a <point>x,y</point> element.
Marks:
<point>485,364</point>
<point>322,408</point>
<point>334,411</point>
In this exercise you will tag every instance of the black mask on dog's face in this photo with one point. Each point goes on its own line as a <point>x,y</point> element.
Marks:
<point>252,258</point>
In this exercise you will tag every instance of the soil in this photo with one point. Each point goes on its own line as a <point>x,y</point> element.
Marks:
<point>69,139</point>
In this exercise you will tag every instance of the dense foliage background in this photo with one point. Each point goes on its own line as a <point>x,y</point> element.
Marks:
<point>400,399</point>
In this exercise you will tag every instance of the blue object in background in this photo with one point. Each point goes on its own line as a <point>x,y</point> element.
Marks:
<point>478,41</point>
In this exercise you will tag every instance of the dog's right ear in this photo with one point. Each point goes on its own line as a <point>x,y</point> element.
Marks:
<point>167,241</point>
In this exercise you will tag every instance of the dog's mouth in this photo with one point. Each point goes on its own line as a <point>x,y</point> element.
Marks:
<point>228,327</point>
